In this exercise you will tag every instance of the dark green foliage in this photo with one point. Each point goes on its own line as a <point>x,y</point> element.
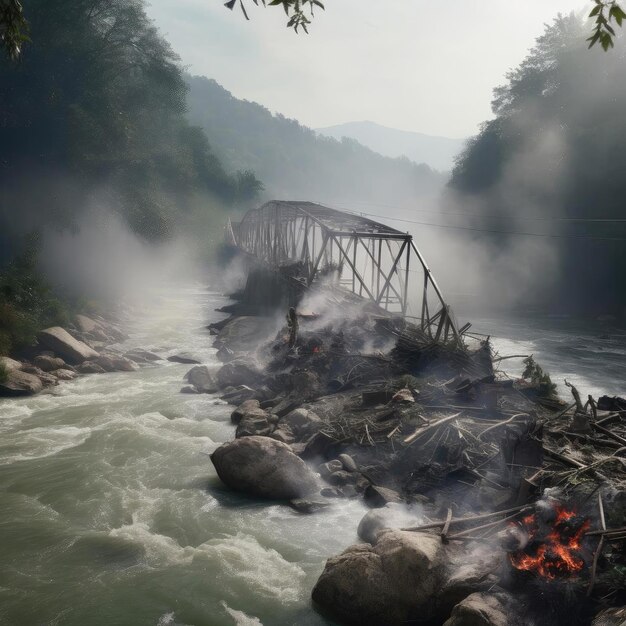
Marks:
<point>295,162</point>
<point>97,104</point>
<point>296,10</point>
<point>556,153</point>
<point>13,28</point>
<point>605,13</point>
<point>536,375</point>
<point>27,303</point>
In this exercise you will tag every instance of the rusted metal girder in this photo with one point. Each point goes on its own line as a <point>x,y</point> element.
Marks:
<point>367,258</point>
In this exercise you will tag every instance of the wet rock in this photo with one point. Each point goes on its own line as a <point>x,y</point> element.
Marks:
<point>348,491</point>
<point>238,395</point>
<point>89,367</point>
<point>183,358</point>
<point>610,617</point>
<point>10,364</point>
<point>287,405</point>
<point>47,379</point>
<point>189,389</point>
<point>237,373</point>
<point>62,343</point>
<point>317,445</point>
<point>303,505</point>
<point>64,374</point>
<point>115,363</point>
<point>142,356</point>
<point>48,363</point>
<point>301,422</point>
<point>380,496</point>
<point>247,407</point>
<point>348,462</point>
<point>330,467</point>
<point>283,434</point>
<point>263,467</point>
<point>391,582</point>
<point>254,425</point>
<point>341,477</point>
<point>330,492</point>
<point>19,383</point>
<point>202,379</point>
<point>486,609</point>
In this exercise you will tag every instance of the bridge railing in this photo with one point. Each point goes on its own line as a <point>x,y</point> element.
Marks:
<point>367,258</point>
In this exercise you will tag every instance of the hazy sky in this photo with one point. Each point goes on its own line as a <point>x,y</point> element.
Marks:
<point>422,65</point>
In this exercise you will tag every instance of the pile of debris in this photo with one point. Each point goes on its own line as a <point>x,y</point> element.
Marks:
<point>377,408</point>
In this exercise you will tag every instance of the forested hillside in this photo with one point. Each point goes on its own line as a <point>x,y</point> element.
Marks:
<point>552,161</point>
<point>96,106</point>
<point>294,162</point>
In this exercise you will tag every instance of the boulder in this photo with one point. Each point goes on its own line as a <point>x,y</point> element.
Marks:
<point>392,582</point>
<point>330,467</point>
<point>183,358</point>
<point>64,374</point>
<point>201,378</point>
<point>142,356</point>
<point>263,467</point>
<point>189,389</point>
<point>283,434</point>
<point>308,507</point>
<point>48,363</point>
<point>10,364</point>
<point>610,617</point>
<point>237,395</point>
<point>380,496</point>
<point>252,425</point>
<point>62,343</point>
<point>47,379</point>
<point>341,477</point>
<point>115,363</point>
<point>301,422</point>
<point>247,407</point>
<point>89,367</point>
<point>237,373</point>
<point>348,462</point>
<point>497,608</point>
<point>18,383</point>
<point>86,324</point>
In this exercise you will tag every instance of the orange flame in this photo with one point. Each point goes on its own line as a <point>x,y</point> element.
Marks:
<point>557,555</point>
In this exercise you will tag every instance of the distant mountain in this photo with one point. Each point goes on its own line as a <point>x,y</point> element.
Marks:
<point>438,152</point>
<point>294,162</point>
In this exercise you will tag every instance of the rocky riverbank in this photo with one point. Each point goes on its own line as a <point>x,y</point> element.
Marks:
<point>88,346</point>
<point>361,405</point>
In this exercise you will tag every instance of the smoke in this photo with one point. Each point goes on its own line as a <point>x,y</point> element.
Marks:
<point>101,258</point>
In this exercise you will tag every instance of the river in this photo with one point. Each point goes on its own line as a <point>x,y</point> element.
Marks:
<point>111,512</point>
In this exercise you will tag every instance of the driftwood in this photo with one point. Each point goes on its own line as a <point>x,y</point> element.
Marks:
<point>422,430</point>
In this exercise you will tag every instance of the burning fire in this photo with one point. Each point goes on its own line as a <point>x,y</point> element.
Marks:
<point>556,553</point>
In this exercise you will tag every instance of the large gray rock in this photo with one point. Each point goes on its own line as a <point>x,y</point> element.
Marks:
<point>392,582</point>
<point>237,373</point>
<point>201,378</point>
<point>18,383</point>
<point>263,467</point>
<point>252,425</point>
<point>498,608</point>
<point>247,407</point>
<point>62,343</point>
<point>142,356</point>
<point>391,516</point>
<point>89,367</point>
<point>185,358</point>
<point>64,374</point>
<point>86,324</point>
<point>10,364</point>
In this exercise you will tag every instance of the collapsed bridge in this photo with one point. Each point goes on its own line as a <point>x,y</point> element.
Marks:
<point>369,259</point>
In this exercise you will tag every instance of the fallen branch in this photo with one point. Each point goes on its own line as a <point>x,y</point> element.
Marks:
<point>596,556</point>
<point>420,431</point>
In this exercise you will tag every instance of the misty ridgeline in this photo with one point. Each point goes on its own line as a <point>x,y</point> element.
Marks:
<point>116,166</point>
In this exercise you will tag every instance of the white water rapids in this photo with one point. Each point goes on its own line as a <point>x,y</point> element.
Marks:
<point>111,513</point>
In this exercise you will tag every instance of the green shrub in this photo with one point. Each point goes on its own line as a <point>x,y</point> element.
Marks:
<point>535,374</point>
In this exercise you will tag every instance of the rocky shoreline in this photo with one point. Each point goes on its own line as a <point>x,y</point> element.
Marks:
<point>361,406</point>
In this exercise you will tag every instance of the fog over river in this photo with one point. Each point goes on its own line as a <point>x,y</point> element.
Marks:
<point>111,512</point>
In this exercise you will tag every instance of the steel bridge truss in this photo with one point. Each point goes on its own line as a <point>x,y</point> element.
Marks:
<point>367,258</point>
